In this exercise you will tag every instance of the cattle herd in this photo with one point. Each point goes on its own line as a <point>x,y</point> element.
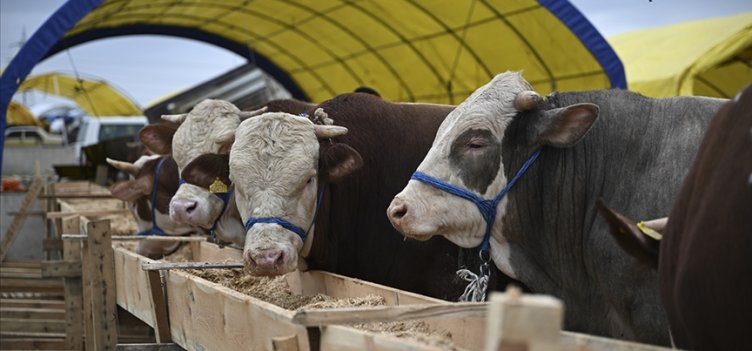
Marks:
<point>507,186</point>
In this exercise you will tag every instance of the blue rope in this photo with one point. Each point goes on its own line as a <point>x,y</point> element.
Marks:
<point>285,223</point>
<point>155,229</point>
<point>487,207</point>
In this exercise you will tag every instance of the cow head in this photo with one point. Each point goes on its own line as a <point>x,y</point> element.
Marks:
<point>467,153</point>
<point>279,167</point>
<point>204,195</point>
<point>137,193</point>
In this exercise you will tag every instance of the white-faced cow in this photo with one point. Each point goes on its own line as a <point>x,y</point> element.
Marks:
<point>631,150</point>
<point>154,180</point>
<point>703,263</point>
<point>205,197</point>
<point>317,191</point>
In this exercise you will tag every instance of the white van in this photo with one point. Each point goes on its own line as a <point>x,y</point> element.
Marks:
<point>97,129</point>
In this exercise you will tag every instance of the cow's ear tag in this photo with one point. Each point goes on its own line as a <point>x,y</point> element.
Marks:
<point>218,186</point>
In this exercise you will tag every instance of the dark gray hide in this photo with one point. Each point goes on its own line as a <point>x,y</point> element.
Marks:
<point>634,157</point>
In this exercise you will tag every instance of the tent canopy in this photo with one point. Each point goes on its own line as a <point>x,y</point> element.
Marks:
<point>18,114</point>
<point>417,50</point>
<point>432,51</point>
<point>95,96</point>
<point>711,57</point>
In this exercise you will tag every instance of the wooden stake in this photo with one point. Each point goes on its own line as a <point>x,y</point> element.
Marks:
<point>15,225</point>
<point>160,266</point>
<point>103,291</point>
<point>161,316</point>
<point>523,322</point>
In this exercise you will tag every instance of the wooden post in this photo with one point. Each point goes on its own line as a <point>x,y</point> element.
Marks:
<point>161,316</point>
<point>73,288</point>
<point>519,322</point>
<point>101,269</point>
<point>15,225</point>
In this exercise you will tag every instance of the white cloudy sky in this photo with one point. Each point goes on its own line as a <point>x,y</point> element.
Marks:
<point>164,65</point>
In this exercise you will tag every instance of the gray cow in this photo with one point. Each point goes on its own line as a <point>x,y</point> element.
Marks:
<point>630,150</point>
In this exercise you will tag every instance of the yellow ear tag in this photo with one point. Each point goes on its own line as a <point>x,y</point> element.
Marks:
<point>218,186</point>
<point>649,231</point>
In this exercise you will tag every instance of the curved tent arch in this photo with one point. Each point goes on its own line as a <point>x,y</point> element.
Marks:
<point>417,50</point>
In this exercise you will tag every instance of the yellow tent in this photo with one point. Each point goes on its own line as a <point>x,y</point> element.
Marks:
<point>426,50</point>
<point>19,115</point>
<point>96,97</point>
<point>711,57</point>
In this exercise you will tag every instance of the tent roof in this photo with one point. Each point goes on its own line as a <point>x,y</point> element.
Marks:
<point>433,51</point>
<point>18,114</point>
<point>96,97</point>
<point>711,57</point>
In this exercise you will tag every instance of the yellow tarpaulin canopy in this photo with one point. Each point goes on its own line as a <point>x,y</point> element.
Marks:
<point>96,97</point>
<point>711,57</point>
<point>19,115</point>
<point>425,50</point>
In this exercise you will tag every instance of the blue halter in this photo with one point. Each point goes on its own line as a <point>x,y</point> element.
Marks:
<point>154,230</point>
<point>487,207</point>
<point>225,197</point>
<point>285,223</point>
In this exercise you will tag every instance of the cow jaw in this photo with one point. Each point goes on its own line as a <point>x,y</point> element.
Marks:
<point>195,206</point>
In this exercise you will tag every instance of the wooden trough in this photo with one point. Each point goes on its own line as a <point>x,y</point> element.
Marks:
<point>189,312</point>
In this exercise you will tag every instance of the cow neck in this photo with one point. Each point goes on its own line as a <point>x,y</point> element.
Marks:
<point>155,229</point>
<point>225,197</point>
<point>476,290</point>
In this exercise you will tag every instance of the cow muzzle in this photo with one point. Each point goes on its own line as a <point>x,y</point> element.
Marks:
<point>402,216</point>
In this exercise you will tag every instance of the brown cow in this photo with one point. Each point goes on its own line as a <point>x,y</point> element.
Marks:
<point>139,193</point>
<point>703,264</point>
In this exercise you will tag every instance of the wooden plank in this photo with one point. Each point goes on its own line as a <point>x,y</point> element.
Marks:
<point>204,315</point>
<point>8,343</point>
<point>139,238</point>
<point>76,196</point>
<point>579,341</point>
<point>523,322</point>
<point>35,335</point>
<point>149,347</point>
<point>52,244</point>
<point>352,315</point>
<point>133,292</point>
<point>32,313</point>
<point>161,266</point>
<point>31,285</point>
<point>32,325</point>
<point>339,338</point>
<point>103,291</point>
<point>209,252</point>
<point>73,287</point>
<point>61,269</point>
<point>162,323</point>
<point>64,214</point>
<point>285,343</point>
<point>32,303</point>
<point>15,225</point>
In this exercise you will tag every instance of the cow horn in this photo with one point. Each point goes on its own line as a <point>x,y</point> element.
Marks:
<point>175,118</point>
<point>248,114</point>
<point>527,100</point>
<point>327,132</point>
<point>126,167</point>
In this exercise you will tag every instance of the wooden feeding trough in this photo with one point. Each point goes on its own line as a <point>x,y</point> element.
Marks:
<point>193,313</point>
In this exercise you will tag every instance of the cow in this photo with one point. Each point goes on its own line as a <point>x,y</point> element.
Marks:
<point>208,130</point>
<point>311,194</point>
<point>154,180</point>
<point>703,268</point>
<point>558,155</point>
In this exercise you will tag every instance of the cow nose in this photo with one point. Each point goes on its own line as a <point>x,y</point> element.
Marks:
<point>183,207</point>
<point>265,260</point>
<point>397,210</point>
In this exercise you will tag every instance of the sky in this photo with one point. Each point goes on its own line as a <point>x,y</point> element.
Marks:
<point>165,65</point>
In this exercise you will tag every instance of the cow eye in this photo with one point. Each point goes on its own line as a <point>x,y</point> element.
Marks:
<point>309,180</point>
<point>476,144</point>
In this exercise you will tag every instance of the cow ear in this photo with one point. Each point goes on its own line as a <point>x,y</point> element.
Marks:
<point>339,160</point>
<point>131,190</point>
<point>629,237</point>
<point>158,138</point>
<point>564,127</point>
